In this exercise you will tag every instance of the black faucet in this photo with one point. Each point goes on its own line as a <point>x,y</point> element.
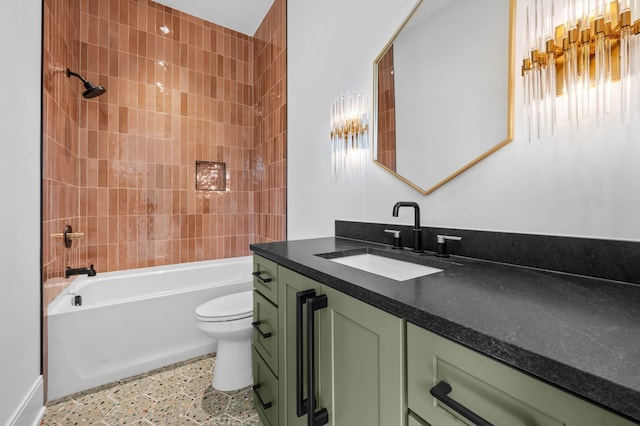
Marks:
<point>80,271</point>
<point>417,231</point>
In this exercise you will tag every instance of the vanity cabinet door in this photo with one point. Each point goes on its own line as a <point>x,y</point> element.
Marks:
<point>290,284</point>
<point>416,421</point>
<point>496,393</point>
<point>359,357</point>
<point>361,360</point>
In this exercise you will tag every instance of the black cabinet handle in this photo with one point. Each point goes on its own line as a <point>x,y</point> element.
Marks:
<point>260,278</point>
<point>441,392</point>
<point>256,325</point>
<point>301,299</point>
<point>264,405</point>
<point>314,418</point>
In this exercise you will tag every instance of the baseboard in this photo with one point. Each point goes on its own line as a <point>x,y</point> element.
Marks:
<point>31,409</point>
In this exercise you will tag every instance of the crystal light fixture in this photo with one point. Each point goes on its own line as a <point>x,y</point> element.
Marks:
<point>582,48</point>
<point>349,134</point>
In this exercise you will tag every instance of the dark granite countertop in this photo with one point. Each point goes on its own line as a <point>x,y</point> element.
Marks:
<point>578,333</point>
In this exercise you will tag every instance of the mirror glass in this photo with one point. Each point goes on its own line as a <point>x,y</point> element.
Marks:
<point>444,90</point>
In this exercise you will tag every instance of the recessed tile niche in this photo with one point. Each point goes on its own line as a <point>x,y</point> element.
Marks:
<point>211,176</point>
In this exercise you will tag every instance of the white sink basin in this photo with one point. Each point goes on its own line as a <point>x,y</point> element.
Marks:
<point>391,268</point>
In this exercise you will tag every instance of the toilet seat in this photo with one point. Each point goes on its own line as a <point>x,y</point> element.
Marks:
<point>227,308</point>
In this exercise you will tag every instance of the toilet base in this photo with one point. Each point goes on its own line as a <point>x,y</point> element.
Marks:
<point>232,369</point>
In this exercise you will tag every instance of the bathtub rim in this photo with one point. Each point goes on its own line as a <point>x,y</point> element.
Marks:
<point>62,303</point>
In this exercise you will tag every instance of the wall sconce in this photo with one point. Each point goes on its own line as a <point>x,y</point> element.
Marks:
<point>585,53</point>
<point>350,134</point>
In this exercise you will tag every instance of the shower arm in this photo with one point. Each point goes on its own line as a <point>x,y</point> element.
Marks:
<point>71,73</point>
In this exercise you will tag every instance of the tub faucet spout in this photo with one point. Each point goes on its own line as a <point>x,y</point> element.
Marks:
<point>80,271</point>
<point>417,230</point>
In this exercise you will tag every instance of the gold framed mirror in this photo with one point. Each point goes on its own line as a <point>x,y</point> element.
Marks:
<point>443,90</point>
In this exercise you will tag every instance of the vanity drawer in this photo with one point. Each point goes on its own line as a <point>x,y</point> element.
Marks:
<point>265,277</point>
<point>497,393</point>
<point>265,391</point>
<point>416,421</point>
<point>265,330</point>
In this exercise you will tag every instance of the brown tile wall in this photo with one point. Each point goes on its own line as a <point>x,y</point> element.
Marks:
<point>386,112</point>
<point>60,126</point>
<point>121,167</point>
<point>270,133</point>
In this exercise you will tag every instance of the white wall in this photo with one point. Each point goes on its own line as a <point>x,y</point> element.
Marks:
<point>576,184</point>
<point>20,46</point>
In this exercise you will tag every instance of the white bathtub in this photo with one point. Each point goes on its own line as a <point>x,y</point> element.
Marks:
<point>134,321</point>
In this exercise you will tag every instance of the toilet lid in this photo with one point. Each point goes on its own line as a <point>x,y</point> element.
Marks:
<point>227,308</point>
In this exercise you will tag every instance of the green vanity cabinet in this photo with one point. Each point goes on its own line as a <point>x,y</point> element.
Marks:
<point>291,284</point>
<point>265,277</point>
<point>265,390</point>
<point>265,341</point>
<point>496,393</point>
<point>372,368</point>
<point>265,338</point>
<point>359,361</point>
<point>416,421</point>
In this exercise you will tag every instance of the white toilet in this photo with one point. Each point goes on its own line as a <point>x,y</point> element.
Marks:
<point>228,320</point>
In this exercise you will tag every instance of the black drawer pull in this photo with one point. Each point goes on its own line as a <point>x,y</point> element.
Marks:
<point>441,392</point>
<point>260,278</point>
<point>320,417</point>
<point>256,325</point>
<point>301,401</point>
<point>264,405</point>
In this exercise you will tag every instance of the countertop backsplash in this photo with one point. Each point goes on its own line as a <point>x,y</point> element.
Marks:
<point>606,259</point>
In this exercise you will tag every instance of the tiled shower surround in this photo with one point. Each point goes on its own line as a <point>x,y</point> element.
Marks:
<point>121,167</point>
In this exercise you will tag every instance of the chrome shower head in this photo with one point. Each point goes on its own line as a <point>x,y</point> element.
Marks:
<point>91,89</point>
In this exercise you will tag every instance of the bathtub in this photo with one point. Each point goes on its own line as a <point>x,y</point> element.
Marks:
<point>133,321</point>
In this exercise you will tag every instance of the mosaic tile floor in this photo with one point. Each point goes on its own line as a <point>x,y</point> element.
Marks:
<point>179,394</point>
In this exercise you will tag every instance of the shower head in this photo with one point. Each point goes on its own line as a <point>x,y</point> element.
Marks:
<point>91,89</point>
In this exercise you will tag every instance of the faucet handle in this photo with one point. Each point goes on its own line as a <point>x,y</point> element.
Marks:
<point>441,246</point>
<point>443,238</point>
<point>397,244</point>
